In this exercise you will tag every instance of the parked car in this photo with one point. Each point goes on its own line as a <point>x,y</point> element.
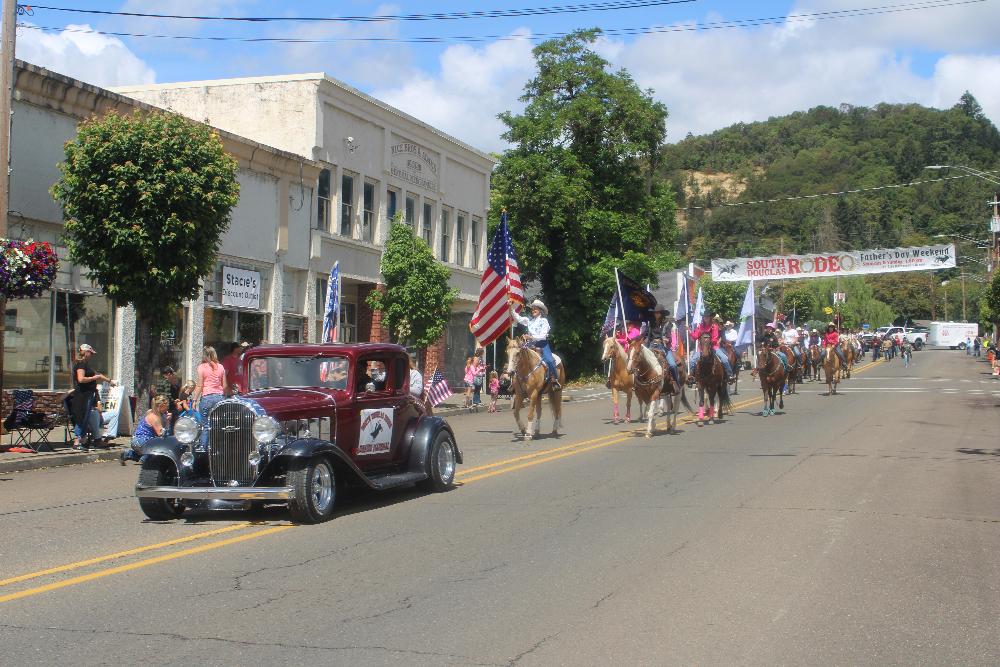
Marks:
<point>316,418</point>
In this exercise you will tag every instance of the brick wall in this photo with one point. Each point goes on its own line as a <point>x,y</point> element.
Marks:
<point>376,332</point>
<point>434,357</point>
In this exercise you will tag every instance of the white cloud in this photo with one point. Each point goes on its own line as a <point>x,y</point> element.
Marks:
<point>713,78</point>
<point>471,88</point>
<point>97,59</point>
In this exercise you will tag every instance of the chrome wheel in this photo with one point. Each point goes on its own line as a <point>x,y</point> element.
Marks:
<point>322,487</point>
<point>446,461</point>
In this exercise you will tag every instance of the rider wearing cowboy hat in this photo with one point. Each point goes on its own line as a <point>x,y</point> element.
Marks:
<point>772,340</point>
<point>658,338</point>
<point>710,326</point>
<point>832,338</point>
<point>538,332</point>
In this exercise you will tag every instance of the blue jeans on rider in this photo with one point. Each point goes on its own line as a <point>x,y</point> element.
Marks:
<point>720,353</point>
<point>545,350</point>
<point>840,353</point>
<point>783,358</point>
<point>797,351</point>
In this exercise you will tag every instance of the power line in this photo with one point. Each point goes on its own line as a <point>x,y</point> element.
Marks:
<point>776,200</point>
<point>611,32</point>
<point>379,18</point>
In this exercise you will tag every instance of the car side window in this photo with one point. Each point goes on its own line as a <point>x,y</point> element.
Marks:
<point>371,371</point>
<point>400,375</point>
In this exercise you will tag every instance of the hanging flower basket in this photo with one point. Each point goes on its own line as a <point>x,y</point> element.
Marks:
<point>27,268</point>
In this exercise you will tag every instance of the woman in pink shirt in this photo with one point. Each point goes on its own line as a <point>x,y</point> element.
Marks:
<point>211,383</point>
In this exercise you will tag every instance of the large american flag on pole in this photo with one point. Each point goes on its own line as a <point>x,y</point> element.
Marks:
<point>439,389</point>
<point>501,280</point>
<point>331,321</point>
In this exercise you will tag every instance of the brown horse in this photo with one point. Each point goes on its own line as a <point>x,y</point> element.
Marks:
<point>792,376</point>
<point>710,375</point>
<point>648,379</point>
<point>771,373</point>
<point>815,361</point>
<point>831,369</point>
<point>848,348</point>
<point>527,373</point>
<point>734,362</point>
<point>620,379</point>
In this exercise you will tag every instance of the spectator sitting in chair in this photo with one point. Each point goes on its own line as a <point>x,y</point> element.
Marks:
<point>155,424</point>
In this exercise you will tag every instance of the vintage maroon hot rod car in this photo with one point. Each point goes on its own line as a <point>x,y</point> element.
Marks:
<point>314,418</point>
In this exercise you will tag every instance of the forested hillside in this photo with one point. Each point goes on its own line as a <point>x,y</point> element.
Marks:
<point>834,150</point>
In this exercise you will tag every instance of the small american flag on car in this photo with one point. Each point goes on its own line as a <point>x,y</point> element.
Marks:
<point>439,389</point>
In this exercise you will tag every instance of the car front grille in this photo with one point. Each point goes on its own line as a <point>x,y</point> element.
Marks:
<point>230,444</point>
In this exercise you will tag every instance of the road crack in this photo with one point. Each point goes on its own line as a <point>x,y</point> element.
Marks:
<point>537,645</point>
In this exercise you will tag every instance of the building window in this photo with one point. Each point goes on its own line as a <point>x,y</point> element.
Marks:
<point>427,231</point>
<point>392,205</point>
<point>368,214</point>
<point>411,212</point>
<point>460,240</point>
<point>348,323</point>
<point>346,205</point>
<point>474,235</point>
<point>444,236</point>
<point>295,328</point>
<point>224,328</point>
<point>323,201</point>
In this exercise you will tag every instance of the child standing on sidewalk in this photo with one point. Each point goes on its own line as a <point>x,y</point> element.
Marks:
<point>494,390</point>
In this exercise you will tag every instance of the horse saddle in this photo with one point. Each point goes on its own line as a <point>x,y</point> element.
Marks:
<point>668,379</point>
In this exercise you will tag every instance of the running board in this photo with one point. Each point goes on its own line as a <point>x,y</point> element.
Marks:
<point>392,480</point>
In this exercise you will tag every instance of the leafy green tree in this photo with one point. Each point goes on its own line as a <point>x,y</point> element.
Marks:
<point>800,300</point>
<point>416,301</point>
<point>146,199</point>
<point>990,303</point>
<point>724,299</point>
<point>579,186</point>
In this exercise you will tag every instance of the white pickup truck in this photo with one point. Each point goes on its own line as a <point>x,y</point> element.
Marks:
<point>917,337</point>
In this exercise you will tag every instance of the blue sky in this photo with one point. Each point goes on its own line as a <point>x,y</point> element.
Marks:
<point>708,78</point>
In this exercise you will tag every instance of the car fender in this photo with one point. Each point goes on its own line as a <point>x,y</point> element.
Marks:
<point>166,447</point>
<point>308,448</point>
<point>427,429</point>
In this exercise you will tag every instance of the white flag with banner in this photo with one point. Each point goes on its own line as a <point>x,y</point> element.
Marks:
<point>744,337</point>
<point>699,308</point>
<point>845,263</point>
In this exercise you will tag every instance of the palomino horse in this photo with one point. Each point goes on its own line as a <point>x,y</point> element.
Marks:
<point>711,378</point>
<point>620,379</point>
<point>648,379</point>
<point>527,373</point>
<point>815,361</point>
<point>831,369</point>
<point>734,362</point>
<point>794,370</point>
<point>771,372</point>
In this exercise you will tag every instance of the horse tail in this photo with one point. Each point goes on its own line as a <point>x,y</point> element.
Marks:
<point>725,402</point>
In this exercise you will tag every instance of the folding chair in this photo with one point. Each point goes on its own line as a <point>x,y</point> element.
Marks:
<point>24,419</point>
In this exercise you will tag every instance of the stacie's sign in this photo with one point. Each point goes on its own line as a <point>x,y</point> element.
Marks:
<point>847,263</point>
<point>240,288</point>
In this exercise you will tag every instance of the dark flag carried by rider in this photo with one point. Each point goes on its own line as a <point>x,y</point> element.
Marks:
<point>637,301</point>
<point>501,281</point>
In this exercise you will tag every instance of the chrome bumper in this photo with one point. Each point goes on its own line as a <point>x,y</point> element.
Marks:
<point>214,492</point>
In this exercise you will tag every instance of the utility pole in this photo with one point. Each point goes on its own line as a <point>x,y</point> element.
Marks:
<point>9,19</point>
<point>965,317</point>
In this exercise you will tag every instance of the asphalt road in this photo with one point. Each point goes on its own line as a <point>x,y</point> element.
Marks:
<point>855,529</point>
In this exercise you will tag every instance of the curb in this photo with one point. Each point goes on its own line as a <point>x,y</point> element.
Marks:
<point>58,460</point>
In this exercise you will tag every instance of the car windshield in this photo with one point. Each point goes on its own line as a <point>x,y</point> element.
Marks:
<point>311,371</point>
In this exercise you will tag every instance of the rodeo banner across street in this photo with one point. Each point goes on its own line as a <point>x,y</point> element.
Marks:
<point>845,263</point>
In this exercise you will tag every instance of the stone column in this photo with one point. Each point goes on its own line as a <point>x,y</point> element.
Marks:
<point>194,334</point>
<point>276,333</point>
<point>123,369</point>
<point>311,336</point>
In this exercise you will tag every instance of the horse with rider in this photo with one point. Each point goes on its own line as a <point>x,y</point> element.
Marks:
<point>534,370</point>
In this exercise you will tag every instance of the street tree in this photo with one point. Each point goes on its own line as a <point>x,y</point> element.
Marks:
<point>146,198</point>
<point>578,184</point>
<point>990,303</point>
<point>800,301</point>
<point>723,298</point>
<point>416,301</point>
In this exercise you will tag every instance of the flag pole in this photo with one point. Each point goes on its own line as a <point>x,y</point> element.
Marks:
<point>340,292</point>
<point>621,303</point>
<point>753,320</point>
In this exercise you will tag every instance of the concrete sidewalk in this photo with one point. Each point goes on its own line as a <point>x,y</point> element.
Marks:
<point>62,455</point>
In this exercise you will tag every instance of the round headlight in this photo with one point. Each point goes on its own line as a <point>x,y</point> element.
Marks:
<point>187,459</point>
<point>265,429</point>
<point>186,430</point>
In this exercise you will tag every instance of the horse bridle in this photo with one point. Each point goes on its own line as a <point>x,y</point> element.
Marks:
<point>524,378</point>
<point>637,379</point>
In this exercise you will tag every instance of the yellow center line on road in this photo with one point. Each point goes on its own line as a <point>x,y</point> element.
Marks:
<point>142,563</point>
<point>122,554</point>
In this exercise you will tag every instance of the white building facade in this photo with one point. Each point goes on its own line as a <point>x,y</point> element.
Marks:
<point>375,162</point>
